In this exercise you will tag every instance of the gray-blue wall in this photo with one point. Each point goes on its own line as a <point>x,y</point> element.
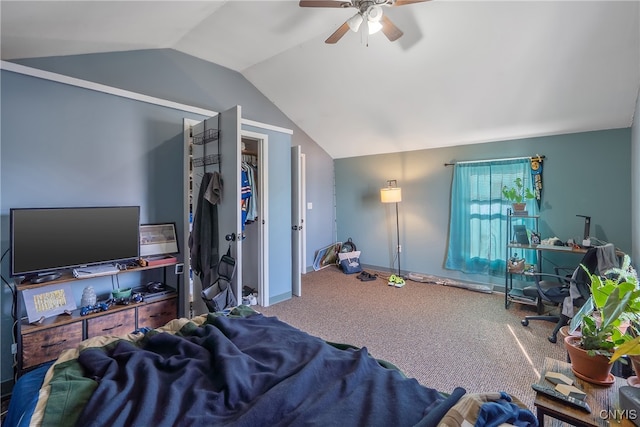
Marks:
<point>68,146</point>
<point>175,76</point>
<point>584,173</point>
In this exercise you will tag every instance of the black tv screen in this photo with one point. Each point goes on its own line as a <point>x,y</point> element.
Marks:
<point>50,239</point>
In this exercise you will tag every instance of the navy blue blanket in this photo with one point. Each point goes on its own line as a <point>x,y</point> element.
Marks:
<point>251,371</point>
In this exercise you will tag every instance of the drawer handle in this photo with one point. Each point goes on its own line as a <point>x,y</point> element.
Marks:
<point>113,327</point>
<point>53,345</point>
<point>163,313</point>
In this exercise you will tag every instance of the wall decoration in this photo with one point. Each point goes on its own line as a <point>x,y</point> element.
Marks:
<point>47,301</point>
<point>158,239</point>
<point>536,174</point>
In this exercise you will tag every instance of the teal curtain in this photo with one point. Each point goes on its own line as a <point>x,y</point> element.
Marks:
<point>478,223</point>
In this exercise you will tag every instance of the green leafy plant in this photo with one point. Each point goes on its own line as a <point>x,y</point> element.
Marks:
<point>608,320</point>
<point>517,193</point>
<point>630,345</point>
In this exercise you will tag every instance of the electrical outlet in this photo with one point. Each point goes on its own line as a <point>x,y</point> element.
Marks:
<point>399,248</point>
<point>14,348</point>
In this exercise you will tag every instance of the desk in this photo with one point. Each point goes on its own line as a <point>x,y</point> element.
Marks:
<point>512,294</point>
<point>600,399</point>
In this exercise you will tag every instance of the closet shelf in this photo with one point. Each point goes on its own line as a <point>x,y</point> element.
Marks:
<point>208,135</point>
<point>210,159</point>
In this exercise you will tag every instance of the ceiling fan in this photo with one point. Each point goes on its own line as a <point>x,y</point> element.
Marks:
<point>369,11</point>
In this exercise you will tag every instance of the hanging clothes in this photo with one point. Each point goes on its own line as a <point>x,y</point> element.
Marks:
<point>245,190</point>
<point>252,202</point>
<point>203,239</point>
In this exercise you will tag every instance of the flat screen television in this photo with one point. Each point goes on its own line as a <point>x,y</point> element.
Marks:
<point>45,240</point>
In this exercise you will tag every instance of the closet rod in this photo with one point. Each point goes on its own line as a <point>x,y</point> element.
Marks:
<point>536,157</point>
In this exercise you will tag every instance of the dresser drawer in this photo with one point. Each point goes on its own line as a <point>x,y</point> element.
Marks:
<point>43,346</point>
<point>156,314</point>
<point>118,323</point>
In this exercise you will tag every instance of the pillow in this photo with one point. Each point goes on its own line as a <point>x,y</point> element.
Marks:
<point>350,262</point>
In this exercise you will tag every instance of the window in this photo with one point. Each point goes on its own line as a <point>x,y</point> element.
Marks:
<point>478,221</point>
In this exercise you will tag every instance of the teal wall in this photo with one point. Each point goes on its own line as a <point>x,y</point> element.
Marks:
<point>635,184</point>
<point>584,173</point>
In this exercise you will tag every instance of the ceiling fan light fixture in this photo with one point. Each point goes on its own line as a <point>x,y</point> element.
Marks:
<point>354,22</point>
<point>374,27</point>
<point>374,14</point>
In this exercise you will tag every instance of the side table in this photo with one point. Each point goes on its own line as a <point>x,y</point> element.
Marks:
<point>603,401</point>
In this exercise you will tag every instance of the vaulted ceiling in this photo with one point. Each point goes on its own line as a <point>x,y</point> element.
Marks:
<point>464,71</point>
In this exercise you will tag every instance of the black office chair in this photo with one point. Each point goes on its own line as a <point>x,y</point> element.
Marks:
<point>554,291</point>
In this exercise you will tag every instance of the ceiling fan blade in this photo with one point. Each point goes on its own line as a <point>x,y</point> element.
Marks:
<point>404,2</point>
<point>325,3</point>
<point>337,35</point>
<point>390,30</point>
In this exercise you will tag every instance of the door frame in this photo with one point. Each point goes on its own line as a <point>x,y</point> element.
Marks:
<point>185,302</point>
<point>303,212</point>
<point>297,218</point>
<point>262,141</point>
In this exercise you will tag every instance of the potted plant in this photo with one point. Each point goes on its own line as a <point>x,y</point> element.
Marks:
<point>517,194</point>
<point>631,345</point>
<point>606,322</point>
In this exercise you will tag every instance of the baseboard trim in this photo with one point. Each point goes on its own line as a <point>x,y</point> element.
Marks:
<point>279,298</point>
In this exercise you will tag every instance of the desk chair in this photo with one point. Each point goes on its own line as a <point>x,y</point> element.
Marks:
<point>554,288</point>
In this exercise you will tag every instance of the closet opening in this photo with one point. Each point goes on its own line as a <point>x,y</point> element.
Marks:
<point>254,214</point>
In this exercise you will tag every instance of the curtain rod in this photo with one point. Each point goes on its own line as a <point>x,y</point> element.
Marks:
<point>536,157</point>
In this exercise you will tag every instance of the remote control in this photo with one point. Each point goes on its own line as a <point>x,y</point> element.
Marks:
<point>551,392</point>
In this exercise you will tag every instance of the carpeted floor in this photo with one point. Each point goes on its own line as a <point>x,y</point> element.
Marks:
<point>443,336</point>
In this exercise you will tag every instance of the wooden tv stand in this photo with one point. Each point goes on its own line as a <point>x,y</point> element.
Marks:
<point>38,343</point>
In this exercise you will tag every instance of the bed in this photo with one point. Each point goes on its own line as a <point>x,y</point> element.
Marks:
<point>239,368</point>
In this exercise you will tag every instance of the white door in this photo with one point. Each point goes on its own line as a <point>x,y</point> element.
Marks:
<point>229,212</point>
<point>297,219</point>
<point>198,162</point>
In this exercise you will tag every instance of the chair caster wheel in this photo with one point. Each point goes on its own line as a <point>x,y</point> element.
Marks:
<point>552,339</point>
<point>524,322</point>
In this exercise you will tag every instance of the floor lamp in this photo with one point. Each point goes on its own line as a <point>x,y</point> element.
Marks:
<point>393,194</point>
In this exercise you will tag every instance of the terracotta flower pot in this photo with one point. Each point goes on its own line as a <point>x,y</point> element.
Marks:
<point>594,369</point>
<point>519,207</point>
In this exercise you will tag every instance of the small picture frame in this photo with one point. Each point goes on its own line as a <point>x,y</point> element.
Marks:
<point>535,238</point>
<point>158,239</point>
<point>520,234</point>
<point>47,301</point>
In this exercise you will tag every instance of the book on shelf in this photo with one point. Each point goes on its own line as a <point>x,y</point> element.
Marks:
<point>520,213</point>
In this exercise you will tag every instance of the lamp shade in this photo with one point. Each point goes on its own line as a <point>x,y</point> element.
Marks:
<point>391,195</point>
<point>354,22</point>
<point>374,27</point>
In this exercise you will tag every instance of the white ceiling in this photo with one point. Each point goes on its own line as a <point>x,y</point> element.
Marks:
<point>464,71</point>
